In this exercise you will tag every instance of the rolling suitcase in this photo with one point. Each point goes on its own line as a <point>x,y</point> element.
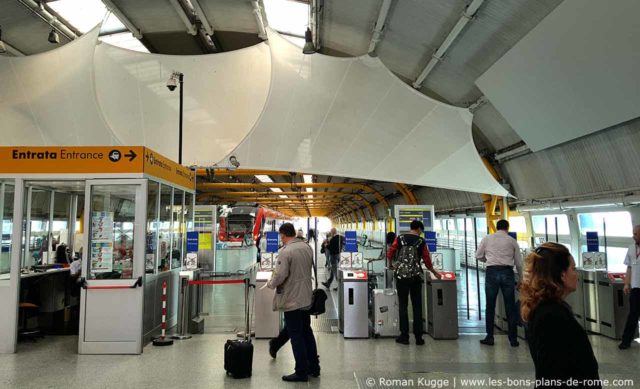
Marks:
<point>385,313</point>
<point>238,354</point>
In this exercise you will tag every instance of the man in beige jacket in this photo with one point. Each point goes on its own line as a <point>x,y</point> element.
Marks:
<point>292,281</point>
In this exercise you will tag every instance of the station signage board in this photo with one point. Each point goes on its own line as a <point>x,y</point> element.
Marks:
<point>431,240</point>
<point>93,160</point>
<point>272,241</point>
<point>593,244</point>
<point>350,242</point>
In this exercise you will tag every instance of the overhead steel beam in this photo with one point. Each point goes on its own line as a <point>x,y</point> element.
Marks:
<point>244,172</point>
<point>409,197</point>
<point>317,185</point>
<point>260,20</point>
<point>35,8</point>
<point>12,50</point>
<point>465,18</point>
<point>377,31</point>
<point>135,31</point>
<point>191,28</point>
<point>202,16</point>
<point>316,11</point>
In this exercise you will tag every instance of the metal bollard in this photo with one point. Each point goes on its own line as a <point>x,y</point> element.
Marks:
<point>162,340</point>
<point>183,316</point>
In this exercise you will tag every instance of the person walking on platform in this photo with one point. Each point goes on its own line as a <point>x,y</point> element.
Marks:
<point>632,288</point>
<point>292,282</point>
<point>500,252</point>
<point>410,249</point>
<point>559,346</point>
<point>336,243</point>
<point>325,250</point>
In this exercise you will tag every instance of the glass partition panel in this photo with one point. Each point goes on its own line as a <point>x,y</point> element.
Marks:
<point>111,231</point>
<point>618,223</point>
<point>153,225</point>
<point>188,218</point>
<point>164,228</point>
<point>60,226</point>
<point>563,224</point>
<point>38,246</point>
<point>177,228</point>
<point>7,227</point>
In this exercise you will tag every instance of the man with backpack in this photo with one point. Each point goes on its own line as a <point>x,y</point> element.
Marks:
<point>404,257</point>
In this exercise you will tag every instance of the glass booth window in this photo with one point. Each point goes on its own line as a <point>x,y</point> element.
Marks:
<point>538,224</point>
<point>518,224</point>
<point>618,223</point>
<point>188,219</point>
<point>7,228</point>
<point>38,244</point>
<point>60,226</point>
<point>153,224</point>
<point>111,230</point>
<point>615,258</point>
<point>164,228</point>
<point>177,228</point>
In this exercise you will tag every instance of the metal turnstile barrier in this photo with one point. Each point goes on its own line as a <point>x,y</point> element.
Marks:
<point>591,301</point>
<point>442,306</point>
<point>267,321</point>
<point>613,305</point>
<point>576,299</point>
<point>353,304</point>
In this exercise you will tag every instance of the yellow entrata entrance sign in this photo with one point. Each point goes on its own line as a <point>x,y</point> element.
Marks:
<point>93,160</point>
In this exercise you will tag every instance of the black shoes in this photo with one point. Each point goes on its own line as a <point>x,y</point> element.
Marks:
<point>419,342</point>
<point>624,346</point>
<point>295,378</point>
<point>487,341</point>
<point>315,374</point>
<point>273,351</point>
<point>402,340</point>
<point>514,343</point>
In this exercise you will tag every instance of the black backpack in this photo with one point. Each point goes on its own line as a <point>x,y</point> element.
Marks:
<point>407,263</point>
<point>318,298</point>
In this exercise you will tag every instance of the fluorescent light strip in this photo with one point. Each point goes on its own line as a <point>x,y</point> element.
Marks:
<point>264,178</point>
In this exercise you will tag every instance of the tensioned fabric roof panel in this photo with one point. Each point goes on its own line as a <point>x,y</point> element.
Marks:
<point>352,117</point>
<point>48,99</point>
<point>575,73</point>
<point>223,97</point>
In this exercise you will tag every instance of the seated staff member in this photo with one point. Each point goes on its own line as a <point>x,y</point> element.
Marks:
<point>407,271</point>
<point>559,346</point>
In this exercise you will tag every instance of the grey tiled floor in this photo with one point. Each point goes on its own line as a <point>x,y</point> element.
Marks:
<point>198,363</point>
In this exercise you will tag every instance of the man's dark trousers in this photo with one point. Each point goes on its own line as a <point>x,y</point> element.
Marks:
<point>632,320</point>
<point>501,278</point>
<point>303,343</point>
<point>410,287</point>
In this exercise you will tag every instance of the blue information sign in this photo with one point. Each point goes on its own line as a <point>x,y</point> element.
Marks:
<point>192,241</point>
<point>350,242</point>
<point>593,244</point>
<point>514,235</point>
<point>431,240</point>
<point>272,241</point>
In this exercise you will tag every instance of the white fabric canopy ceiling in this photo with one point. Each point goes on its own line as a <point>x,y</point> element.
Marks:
<point>352,117</point>
<point>271,106</point>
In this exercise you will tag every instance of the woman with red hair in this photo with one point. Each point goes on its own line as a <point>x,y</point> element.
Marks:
<point>559,346</point>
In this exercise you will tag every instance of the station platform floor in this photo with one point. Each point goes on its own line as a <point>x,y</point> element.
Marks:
<point>53,362</point>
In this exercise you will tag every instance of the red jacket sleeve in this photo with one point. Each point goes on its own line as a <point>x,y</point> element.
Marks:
<point>392,251</point>
<point>426,257</point>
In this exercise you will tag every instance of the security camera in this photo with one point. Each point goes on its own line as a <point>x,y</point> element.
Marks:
<point>54,37</point>
<point>172,83</point>
<point>234,161</point>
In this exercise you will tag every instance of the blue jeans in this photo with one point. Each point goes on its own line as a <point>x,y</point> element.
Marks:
<point>303,343</point>
<point>501,278</point>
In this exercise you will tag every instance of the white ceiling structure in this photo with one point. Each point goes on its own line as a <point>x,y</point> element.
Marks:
<point>597,164</point>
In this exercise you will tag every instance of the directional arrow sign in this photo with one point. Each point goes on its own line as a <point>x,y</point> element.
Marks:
<point>132,155</point>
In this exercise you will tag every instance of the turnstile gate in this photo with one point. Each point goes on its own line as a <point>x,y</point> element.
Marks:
<point>442,306</point>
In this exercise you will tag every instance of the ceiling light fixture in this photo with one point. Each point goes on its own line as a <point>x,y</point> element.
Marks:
<point>53,36</point>
<point>3,48</point>
<point>308,48</point>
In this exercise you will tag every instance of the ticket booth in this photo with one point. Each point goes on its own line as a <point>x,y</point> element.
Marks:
<point>123,211</point>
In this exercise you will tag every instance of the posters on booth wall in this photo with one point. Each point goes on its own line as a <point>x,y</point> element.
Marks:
<point>204,241</point>
<point>101,242</point>
<point>102,226</point>
<point>191,261</point>
<point>101,257</point>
